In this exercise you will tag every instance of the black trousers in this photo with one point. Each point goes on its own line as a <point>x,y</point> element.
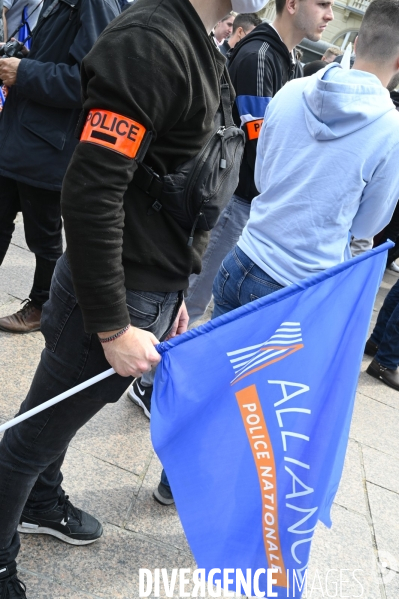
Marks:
<point>41,211</point>
<point>32,452</point>
<point>391,232</point>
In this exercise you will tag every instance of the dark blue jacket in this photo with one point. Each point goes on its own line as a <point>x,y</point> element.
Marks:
<point>42,109</point>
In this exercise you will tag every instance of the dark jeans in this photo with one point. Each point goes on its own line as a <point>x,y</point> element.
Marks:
<point>31,453</point>
<point>41,212</point>
<point>386,330</point>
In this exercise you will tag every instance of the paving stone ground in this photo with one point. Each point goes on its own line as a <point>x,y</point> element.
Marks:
<point>111,470</point>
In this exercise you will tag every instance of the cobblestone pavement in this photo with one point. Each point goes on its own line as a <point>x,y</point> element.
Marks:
<point>111,470</point>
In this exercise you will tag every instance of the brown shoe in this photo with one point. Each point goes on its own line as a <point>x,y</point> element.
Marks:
<point>26,320</point>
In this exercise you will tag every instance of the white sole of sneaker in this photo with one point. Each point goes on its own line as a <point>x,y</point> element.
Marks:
<point>42,530</point>
<point>135,399</point>
<point>161,499</point>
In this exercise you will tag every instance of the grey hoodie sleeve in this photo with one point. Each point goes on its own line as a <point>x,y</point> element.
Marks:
<point>379,198</point>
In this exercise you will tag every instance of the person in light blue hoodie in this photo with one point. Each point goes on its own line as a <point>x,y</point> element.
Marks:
<point>326,169</point>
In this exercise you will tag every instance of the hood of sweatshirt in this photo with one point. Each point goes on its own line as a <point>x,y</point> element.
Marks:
<point>335,108</point>
<point>263,33</point>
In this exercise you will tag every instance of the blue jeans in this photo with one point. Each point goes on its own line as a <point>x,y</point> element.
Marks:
<point>386,330</point>
<point>32,452</point>
<point>240,281</point>
<point>223,238</point>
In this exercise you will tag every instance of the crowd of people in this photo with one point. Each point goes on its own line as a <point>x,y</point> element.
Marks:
<point>105,108</point>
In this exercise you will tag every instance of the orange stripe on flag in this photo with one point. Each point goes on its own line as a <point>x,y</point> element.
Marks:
<point>262,451</point>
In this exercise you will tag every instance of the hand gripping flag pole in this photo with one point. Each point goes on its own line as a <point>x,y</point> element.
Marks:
<point>57,399</point>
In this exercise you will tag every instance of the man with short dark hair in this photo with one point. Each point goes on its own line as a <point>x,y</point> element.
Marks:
<point>243,24</point>
<point>312,67</point>
<point>305,213</point>
<point>376,43</point>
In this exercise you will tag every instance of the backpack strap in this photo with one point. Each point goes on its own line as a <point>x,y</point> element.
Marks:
<point>147,180</point>
<point>226,99</point>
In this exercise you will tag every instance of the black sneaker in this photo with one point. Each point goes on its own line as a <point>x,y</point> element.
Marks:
<point>65,522</point>
<point>141,396</point>
<point>163,495</point>
<point>371,348</point>
<point>10,586</point>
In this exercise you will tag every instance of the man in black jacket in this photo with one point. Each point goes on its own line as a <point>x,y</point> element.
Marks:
<point>259,66</point>
<point>151,89</point>
<point>37,136</point>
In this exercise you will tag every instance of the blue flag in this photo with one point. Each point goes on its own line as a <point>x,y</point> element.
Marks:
<point>250,418</point>
<point>25,30</point>
<point>3,95</point>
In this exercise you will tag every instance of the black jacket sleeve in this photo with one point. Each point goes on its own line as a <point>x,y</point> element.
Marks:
<point>58,85</point>
<point>254,80</point>
<point>256,84</point>
<point>136,73</point>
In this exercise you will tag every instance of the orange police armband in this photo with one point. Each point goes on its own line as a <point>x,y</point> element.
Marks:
<point>253,129</point>
<point>113,131</point>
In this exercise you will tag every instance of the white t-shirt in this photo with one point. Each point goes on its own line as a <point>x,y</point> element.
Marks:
<point>15,12</point>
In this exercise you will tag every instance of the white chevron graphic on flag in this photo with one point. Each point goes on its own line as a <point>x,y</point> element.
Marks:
<point>286,340</point>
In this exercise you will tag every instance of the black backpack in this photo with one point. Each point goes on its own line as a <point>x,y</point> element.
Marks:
<point>197,192</point>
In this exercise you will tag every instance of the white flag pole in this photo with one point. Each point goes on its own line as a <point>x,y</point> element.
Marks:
<point>58,398</point>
